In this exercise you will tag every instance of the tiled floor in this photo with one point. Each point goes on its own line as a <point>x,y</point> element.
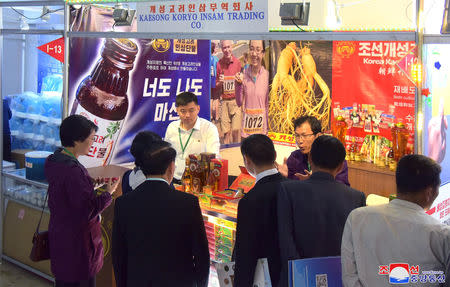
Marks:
<point>14,276</point>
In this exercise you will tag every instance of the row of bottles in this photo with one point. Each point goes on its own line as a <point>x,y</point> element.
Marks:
<point>201,174</point>
<point>35,120</point>
<point>375,149</point>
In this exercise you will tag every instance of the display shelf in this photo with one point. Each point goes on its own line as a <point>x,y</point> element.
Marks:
<point>25,203</point>
<point>22,115</point>
<point>19,174</point>
<point>367,166</point>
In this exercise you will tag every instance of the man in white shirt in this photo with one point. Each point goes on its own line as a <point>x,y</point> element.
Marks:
<point>256,231</point>
<point>377,238</point>
<point>190,134</point>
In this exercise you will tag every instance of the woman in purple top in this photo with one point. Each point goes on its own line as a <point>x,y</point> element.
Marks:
<point>252,92</point>
<point>76,250</point>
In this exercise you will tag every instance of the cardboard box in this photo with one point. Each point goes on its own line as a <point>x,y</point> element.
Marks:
<point>18,156</point>
<point>244,181</point>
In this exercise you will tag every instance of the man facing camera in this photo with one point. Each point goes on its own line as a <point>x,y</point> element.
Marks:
<point>190,134</point>
<point>399,232</point>
<point>306,130</point>
<point>158,236</point>
<point>312,213</point>
<point>256,232</point>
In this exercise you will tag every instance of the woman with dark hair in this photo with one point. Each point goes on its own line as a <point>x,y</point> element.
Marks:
<point>133,178</point>
<point>76,250</point>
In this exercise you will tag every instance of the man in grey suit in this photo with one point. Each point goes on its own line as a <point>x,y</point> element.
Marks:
<point>312,213</point>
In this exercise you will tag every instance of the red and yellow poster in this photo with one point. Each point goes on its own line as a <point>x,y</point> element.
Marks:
<point>372,89</point>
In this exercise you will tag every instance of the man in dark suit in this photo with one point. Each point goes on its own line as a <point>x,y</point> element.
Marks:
<point>158,234</point>
<point>312,213</point>
<point>256,232</point>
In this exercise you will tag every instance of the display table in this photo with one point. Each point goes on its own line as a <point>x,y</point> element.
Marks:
<point>371,179</point>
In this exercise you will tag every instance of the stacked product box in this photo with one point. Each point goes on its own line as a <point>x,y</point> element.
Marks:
<point>221,235</point>
<point>225,233</point>
<point>209,228</point>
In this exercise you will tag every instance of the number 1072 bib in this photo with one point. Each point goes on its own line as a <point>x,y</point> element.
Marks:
<point>254,121</point>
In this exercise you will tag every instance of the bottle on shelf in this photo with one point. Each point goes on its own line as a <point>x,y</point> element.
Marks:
<point>339,129</point>
<point>353,150</point>
<point>187,177</point>
<point>399,140</point>
<point>390,159</point>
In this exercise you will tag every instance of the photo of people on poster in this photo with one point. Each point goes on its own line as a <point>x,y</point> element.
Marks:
<point>239,99</point>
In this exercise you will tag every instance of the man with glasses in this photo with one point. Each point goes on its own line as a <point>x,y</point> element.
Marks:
<point>252,92</point>
<point>306,130</point>
<point>190,134</point>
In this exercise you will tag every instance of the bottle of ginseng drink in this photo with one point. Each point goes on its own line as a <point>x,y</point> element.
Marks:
<point>102,98</point>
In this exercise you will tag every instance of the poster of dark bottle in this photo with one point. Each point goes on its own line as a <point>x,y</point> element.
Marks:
<point>129,85</point>
<point>102,97</point>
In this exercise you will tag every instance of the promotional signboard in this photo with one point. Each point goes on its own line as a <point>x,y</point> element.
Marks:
<point>372,89</point>
<point>203,16</point>
<point>129,85</point>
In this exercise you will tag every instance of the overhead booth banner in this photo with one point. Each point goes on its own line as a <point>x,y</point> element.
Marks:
<point>373,89</point>
<point>203,16</point>
<point>129,85</point>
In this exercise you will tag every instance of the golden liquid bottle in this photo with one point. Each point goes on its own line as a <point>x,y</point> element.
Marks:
<point>399,140</point>
<point>339,129</point>
<point>187,178</point>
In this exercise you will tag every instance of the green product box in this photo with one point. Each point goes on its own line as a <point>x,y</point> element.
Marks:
<point>224,250</point>
<point>221,231</point>
<point>222,258</point>
<point>225,241</point>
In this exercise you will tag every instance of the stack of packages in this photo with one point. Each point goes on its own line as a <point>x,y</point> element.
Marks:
<point>209,228</point>
<point>225,235</point>
<point>221,235</point>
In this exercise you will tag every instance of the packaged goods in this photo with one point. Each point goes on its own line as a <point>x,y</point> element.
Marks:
<point>225,241</point>
<point>221,231</point>
<point>217,203</point>
<point>244,181</point>
<point>220,172</point>
<point>224,250</point>
<point>204,200</point>
<point>222,257</point>
<point>196,171</point>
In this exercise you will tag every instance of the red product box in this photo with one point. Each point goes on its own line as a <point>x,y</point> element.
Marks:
<point>244,181</point>
<point>221,172</point>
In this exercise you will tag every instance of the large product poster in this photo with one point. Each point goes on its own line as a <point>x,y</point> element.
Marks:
<point>301,85</point>
<point>372,89</point>
<point>129,85</point>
